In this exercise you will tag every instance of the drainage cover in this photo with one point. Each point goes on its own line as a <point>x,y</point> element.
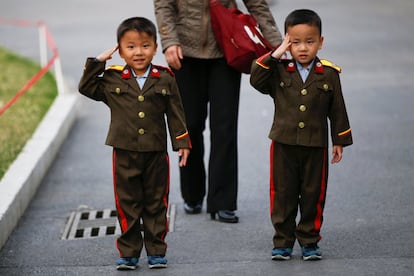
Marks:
<point>100,223</point>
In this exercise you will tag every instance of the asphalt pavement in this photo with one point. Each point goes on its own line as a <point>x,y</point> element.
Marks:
<point>369,215</point>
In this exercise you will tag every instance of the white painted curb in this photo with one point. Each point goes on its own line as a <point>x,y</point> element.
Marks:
<point>19,184</point>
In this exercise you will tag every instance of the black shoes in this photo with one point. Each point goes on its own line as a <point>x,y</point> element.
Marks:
<point>192,209</point>
<point>222,215</point>
<point>225,216</point>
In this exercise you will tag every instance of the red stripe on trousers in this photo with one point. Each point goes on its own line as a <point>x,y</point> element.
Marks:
<point>272,186</point>
<point>167,191</point>
<point>321,200</point>
<point>121,214</point>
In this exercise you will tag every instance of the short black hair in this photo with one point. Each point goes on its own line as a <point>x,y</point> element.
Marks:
<point>303,16</point>
<point>139,24</point>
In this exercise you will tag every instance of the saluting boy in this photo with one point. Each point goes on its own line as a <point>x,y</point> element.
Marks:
<point>306,92</point>
<point>139,95</point>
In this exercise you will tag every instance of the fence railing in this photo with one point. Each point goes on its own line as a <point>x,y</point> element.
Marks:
<point>45,42</point>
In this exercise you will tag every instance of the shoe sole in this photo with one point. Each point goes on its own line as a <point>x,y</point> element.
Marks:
<point>280,258</point>
<point>126,267</point>
<point>151,266</point>
<point>312,258</point>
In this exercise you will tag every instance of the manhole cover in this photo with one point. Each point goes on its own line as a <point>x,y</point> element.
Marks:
<point>100,223</point>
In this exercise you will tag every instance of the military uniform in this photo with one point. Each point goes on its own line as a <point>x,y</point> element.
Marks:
<point>299,157</point>
<point>138,135</point>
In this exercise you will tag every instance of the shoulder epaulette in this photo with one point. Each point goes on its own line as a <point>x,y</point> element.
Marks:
<point>164,68</point>
<point>115,67</point>
<point>331,64</point>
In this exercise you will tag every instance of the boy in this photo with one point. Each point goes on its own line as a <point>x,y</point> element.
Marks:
<point>139,96</point>
<point>306,91</point>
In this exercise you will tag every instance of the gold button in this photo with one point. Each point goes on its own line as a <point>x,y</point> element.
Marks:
<point>141,98</point>
<point>164,91</point>
<point>118,90</point>
<point>304,92</point>
<point>301,125</point>
<point>302,107</point>
<point>141,131</point>
<point>282,84</point>
<point>141,114</point>
<point>325,87</point>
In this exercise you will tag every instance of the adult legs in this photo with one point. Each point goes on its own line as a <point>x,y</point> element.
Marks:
<point>224,95</point>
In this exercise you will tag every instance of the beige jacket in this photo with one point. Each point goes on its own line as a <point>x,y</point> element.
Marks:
<point>187,23</point>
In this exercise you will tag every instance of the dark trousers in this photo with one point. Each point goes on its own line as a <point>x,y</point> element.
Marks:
<point>141,186</point>
<point>210,87</point>
<point>298,178</point>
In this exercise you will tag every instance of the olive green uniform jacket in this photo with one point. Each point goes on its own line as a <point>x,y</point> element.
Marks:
<point>137,115</point>
<point>302,109</point>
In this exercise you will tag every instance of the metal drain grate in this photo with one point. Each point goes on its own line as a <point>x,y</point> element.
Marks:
<point>100,223</point>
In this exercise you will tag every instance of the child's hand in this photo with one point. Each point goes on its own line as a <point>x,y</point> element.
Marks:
<point>281,50</point>
<point>336,154</point>
<point>183,154</point>
<point>107,54</point>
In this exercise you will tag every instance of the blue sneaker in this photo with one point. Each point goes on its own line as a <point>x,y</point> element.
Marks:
<point>311,252</point>
<point>281,253</point>
<point>126,263</point>
<point>157,261</point>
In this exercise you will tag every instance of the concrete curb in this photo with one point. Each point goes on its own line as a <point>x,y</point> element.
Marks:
<point>25,174</point>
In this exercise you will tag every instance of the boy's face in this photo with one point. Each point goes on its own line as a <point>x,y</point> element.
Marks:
<point>137,49</point>
<point>305,43</point>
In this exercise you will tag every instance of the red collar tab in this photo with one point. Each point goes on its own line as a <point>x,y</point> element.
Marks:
<point>126,74</point>
<point>291,67</point>
<point>155,73</point>
<point>319,67</point>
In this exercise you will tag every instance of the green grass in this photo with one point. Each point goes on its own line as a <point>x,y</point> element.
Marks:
<point>20,121</point>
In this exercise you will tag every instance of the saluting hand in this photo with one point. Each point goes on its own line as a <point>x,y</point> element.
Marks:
<point>283,48</point>
<point>173,56</point>
<point>107,54</point>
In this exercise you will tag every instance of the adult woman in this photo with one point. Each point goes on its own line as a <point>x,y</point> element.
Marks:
<point>208,86</point>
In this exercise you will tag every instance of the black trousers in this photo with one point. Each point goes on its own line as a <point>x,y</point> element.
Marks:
<point>210,88</point>
<point>298,179</point>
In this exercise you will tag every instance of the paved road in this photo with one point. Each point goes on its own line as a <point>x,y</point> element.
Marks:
<point>369,218</point>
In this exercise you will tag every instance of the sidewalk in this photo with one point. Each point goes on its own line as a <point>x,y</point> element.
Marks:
<point>25,174</point>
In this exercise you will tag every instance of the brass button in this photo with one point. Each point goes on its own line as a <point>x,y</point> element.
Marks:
<point>282,84</point>
<point>304,92</point>
<point>164,91</point>
<point>141,114</point>
<point>302,107</point>
<point>118,90</point>
<point>141,131</point>
<point>141,98</point>
<point>301,125</point>
<point>325,87</point>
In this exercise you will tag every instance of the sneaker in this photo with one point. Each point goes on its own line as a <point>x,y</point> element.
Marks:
<point>192,209</point>
<point>311,252</point>
<point>157,261</point>
<point>126,263</point>
<point>281,253</point>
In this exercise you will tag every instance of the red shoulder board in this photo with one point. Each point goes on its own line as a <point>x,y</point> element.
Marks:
<point>164,68</point>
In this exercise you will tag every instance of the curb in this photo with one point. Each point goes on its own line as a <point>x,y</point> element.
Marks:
<point>20,182</point>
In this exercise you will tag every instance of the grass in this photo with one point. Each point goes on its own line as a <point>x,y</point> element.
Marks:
<point>18,123</point>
